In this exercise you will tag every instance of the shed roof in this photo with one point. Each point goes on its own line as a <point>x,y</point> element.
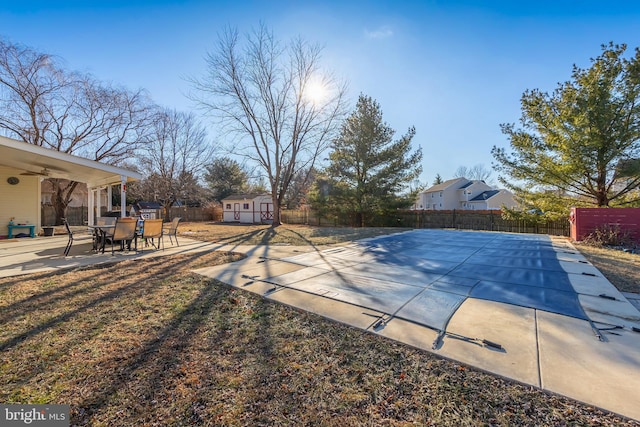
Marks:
<point>245,196</point>
<point>147,205</point>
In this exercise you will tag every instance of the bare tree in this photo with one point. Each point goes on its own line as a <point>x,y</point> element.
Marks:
<point>475,173</point>
<point>43,104</point>
<point>296,195</point>
<point>278,104</point>
<point>174,160</point>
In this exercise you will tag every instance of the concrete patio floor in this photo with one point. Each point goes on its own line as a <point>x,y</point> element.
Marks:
<point>33,255</point>
<point>397,287</point>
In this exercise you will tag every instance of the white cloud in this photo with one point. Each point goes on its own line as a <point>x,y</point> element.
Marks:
<point>380,33</point>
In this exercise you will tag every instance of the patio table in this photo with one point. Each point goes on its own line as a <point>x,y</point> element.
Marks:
<point>99,235</point>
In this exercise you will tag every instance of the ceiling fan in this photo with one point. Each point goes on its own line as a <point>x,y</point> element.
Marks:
<point>43,172</point>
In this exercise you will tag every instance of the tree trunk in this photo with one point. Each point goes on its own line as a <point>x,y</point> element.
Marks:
<point>60,210</point>
<point>276,214</point>
<point>602,198</point>
<point>61,198</point>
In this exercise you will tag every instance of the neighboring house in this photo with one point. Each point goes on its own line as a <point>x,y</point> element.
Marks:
<point>627,175</point>
<point>491,200</point>
<point>462,193</point>
<point>248,208</point>
<point>80,194</point>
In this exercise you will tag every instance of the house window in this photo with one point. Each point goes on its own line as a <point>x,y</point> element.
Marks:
<point>432,195</point>
<point>228,205</point>
<point>441,194</point>
<point>245,206</point>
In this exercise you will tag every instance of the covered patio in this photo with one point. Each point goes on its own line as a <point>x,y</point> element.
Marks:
<point>40,254</point>
<point>24,166</point>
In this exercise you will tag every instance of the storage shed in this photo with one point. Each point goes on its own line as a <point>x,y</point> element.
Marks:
<point>147,210</point>
<point>248,208</point>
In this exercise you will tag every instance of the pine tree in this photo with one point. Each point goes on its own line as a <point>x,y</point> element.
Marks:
<point>370,172</point>
<point>575,143</point>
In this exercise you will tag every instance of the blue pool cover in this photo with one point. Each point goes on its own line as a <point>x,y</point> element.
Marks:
<point>424,275</point>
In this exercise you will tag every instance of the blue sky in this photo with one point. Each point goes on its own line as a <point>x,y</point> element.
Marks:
<point>453,69</point>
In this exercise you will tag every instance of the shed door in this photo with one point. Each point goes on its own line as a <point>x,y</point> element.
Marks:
<point>236,211</point>
<point>266,211</point>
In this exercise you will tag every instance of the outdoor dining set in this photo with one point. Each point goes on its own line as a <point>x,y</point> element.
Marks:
<point>124,232</point>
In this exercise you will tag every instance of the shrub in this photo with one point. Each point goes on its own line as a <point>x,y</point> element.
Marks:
<point>609,235</point>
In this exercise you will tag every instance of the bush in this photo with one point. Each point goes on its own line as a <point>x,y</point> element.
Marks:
<point>609,235</point>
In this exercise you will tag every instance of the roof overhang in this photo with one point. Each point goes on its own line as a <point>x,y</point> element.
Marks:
<point>32,158</point>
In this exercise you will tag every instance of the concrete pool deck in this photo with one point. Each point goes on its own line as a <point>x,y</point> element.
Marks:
<point>529,308</point>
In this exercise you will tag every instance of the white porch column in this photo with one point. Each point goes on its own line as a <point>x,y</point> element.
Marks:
<point>123,196</point>
<point>90,203</point>
<point>109,198</point>
<point>98,201</point>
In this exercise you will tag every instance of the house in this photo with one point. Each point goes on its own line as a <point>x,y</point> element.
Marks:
<point>248,208</point>
<point>24,165</point>
<point>465,194</point>
<point>80,194</point>
<point>491,200</point>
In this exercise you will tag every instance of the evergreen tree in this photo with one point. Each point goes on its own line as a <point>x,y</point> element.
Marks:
<point>573,142</point>
<point>225,176</point>
<point>369,173</point>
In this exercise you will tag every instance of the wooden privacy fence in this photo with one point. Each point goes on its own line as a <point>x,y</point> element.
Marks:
<point>457,219</point>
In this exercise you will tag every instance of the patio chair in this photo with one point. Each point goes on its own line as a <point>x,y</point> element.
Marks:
<point>172,229</point>
<point>105,220</point>
<point>70,233</point>
<point>123,232</point>
<point>152,229</point>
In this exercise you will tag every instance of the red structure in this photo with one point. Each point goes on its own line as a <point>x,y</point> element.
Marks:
<point>584,221</point>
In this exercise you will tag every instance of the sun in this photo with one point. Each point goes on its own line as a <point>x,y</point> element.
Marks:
<point>315,92</point>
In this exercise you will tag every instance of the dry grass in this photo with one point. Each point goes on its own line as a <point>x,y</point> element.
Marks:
<point>148,343</point>
<point>296,235</point>
<point>621,268</point>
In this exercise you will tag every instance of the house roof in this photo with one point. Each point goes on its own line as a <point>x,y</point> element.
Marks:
<point>56,164</point>
<point>485,195</point>
<point>448,183</point>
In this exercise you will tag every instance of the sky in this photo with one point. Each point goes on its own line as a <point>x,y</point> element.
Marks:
<point>455,70</point>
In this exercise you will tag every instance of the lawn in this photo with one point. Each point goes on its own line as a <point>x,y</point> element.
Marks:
<point>621,268</point>
<point>150,343</point>
<point>297,235</point>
